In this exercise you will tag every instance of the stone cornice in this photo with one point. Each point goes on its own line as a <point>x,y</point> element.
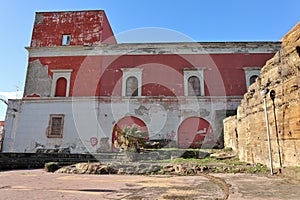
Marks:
<point>157,48</point>
<point>140,98</point>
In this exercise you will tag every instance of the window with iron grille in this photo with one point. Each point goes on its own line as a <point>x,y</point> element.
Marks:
<point>56,125</point>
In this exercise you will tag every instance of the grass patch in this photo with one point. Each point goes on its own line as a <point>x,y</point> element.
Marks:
<point>232,165</point>
<point>231,161</point>
<point>191,160</point>
<point>257,169</point>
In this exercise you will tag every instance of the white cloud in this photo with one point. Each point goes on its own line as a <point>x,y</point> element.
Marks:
<point>11,95</point>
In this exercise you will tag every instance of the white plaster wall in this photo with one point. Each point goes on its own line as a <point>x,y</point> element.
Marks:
<point>28,126</point>
<point>87,118</point>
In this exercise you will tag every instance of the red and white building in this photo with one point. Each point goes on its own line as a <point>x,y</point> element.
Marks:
<point>81,84</point>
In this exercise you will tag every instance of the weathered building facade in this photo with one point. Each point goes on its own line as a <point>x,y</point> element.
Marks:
<point>1,134</point>
<point>246,132</point>
<point>81,85</point>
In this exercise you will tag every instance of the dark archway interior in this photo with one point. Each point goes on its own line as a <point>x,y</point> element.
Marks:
<point>298,50</point>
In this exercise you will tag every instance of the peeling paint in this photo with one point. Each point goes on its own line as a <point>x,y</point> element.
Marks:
<point>204,112</point>
<point>142,110</point>
<point>85,27</point>
<point>39,18</point>
<point>38,82</point>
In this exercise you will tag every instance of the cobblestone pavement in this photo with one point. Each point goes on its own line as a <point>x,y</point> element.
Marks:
<point>38,184</point>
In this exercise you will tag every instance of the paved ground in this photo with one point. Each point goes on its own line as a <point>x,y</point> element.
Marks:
<point>37,184</point>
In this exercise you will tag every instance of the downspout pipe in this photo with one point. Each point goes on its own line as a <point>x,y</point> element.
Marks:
<point>264,94</point>
<point>272,96</point>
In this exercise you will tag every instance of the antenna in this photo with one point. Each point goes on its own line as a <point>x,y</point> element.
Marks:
<point>17,89</point>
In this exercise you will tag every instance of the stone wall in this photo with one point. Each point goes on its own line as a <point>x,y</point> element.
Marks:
<point>246,132</point>
<point>38,160</point>
<point>230,139</point>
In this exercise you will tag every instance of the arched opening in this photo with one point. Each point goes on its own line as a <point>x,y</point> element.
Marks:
<point>61,87</point>
<point>125,122</point>
<point>192,132</point>
<point>194,86</point>
<point>252,79</point>
<point>298,50</point>
<point>131,86</point>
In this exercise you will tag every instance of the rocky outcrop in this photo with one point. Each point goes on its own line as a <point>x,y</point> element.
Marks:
<point>246,132</point>
<point>180,168</point>
<point>111,168</point>
<point>87,168</point>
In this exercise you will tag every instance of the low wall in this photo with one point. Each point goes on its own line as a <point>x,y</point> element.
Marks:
<point>231,138</point>
<point>38,160</point>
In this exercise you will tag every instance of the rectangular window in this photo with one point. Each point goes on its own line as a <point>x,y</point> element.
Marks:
<point>56,126</point>
<point>66,39</point>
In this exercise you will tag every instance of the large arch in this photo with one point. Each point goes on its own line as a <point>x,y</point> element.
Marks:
<point>192,132</point>
<point>128,121</point>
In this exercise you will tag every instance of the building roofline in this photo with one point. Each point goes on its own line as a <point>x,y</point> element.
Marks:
<point>64,11</point>
<point>182,44</point>
<point>156,48</point>
<point>206,42</point>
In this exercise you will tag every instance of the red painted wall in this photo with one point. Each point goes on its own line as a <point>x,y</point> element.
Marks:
<point>85,27</point>
<point>85,75</point>
<point>108,36</point>
<point>162,74</point>
<point>222,70</point>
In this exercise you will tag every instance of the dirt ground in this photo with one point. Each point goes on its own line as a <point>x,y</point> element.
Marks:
<point>38,184</point>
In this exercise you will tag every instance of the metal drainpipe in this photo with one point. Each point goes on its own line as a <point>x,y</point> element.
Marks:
<point>264,94</point>
<point>272,96</point>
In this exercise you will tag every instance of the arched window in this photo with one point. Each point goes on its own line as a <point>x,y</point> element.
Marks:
<point>132,81</point>
<point>132,86</point>
<point>252,79</point>
<point>194,82</point>
<point>194,86</point>
<point>251,73</point>
<point>61,87</point>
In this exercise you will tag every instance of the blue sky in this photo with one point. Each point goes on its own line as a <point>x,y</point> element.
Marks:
<point>214,20</point>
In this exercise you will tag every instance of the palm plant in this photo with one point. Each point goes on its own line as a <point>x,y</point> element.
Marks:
<point>130,138</point>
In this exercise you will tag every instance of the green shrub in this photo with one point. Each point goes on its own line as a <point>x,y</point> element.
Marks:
<point>51,166</point>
